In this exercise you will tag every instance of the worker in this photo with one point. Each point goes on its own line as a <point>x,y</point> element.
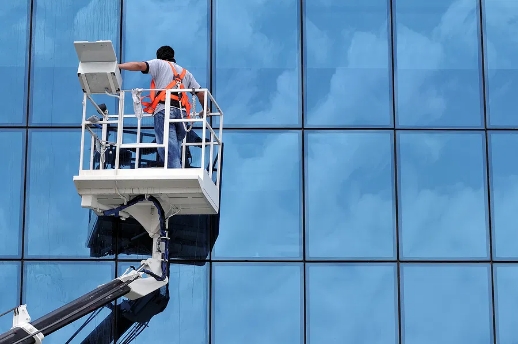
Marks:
<point>166,73</point>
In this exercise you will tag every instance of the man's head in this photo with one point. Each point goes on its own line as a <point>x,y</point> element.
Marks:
<point>165,53</point>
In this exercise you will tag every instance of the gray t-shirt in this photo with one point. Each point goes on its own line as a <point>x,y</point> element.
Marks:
<point>161,72</point>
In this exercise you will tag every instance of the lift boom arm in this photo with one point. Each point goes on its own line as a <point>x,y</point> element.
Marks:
<point>24,332</point>
<point>130,284</point>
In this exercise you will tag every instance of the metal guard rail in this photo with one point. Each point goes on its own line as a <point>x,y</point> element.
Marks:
<point>118,120</point>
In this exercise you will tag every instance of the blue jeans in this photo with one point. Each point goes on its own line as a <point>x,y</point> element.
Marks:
<point>176,136</point>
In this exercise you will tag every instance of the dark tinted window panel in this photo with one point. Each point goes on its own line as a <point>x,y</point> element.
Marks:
<point>192,237</point>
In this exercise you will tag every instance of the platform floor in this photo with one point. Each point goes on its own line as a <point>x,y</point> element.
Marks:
<point>190,190</point>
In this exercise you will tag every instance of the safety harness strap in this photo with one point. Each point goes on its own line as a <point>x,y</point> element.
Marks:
<point>149,107</point>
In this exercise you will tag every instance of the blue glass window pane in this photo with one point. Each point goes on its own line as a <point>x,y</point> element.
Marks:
<point>13,60</point>
<point>56,94</point>
<point>185,318</point>
<point>438,69</point>
<point>506,303</point>
<point>501,63</point>
<point>12,146</point>
<point>56,225</point>
<point>257,303</point>
<point>261,196</point>
<point>257,66</point>
<point>49,285</point>
<point>447,304</point>
<point>147,28</point>
<point>442,195</point>
<point>504,187</point>
<point>10,291</point>
<point>348,63</point>
<point>349,178</point>
<point>351,304</point>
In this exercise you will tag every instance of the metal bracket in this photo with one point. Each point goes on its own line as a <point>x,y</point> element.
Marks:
<point>21,319</point>
<point>144,285</point>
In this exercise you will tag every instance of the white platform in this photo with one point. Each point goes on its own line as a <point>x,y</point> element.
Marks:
<point>191,191</point>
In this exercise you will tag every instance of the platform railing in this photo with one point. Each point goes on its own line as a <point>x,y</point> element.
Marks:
<point>99,143</point>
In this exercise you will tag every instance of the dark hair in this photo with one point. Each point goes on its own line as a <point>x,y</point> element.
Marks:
<point>165,53</point>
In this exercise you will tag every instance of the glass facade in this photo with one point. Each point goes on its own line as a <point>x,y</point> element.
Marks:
<point>369,197</point>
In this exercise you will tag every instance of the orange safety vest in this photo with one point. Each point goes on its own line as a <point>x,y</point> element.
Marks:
<point>149,107</point>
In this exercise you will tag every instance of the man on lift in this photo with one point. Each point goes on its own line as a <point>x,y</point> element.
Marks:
<point>165,74</point>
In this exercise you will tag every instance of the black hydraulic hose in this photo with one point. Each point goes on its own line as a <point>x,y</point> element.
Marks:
<point>163,232</point>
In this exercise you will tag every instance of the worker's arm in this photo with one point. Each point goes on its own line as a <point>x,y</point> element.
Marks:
<point>201,97</point>
<point>133,66</point>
